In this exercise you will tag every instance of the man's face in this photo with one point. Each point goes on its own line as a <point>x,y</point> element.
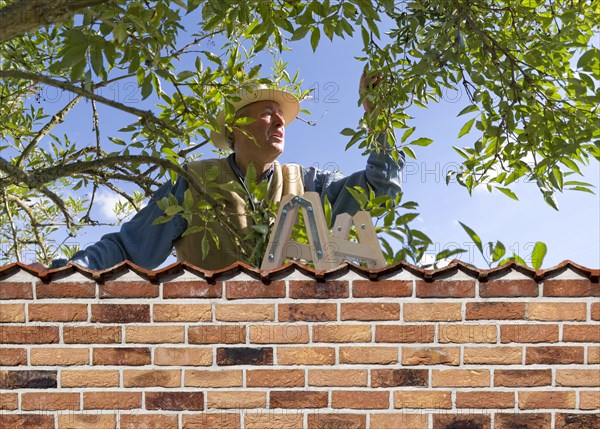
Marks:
<point>264,138</point>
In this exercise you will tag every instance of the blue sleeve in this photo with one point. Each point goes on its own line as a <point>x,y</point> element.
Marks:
<point>382,174</point>
<point>138,241</point>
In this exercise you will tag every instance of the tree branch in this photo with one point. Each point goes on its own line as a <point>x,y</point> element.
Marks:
<point>28,15</point>
<point>55,120</point>
<point>146,115</point>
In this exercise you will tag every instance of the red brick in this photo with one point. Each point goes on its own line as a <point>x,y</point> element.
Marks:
<point>49,401</point>
<point>244,356</point>
<point>535,400</point>
<point>12,357</point>
<point>593,355</point>
<point>239,400</point>
<point>27,379</point>
<point>493,355</point>
<point>571,288</point>
<point>154,334</point>
<point>120,313</point>
<point>522,377</point>
<point>87,421</point>
<point>399,377</point>
<point>467,333</point>
<point>460,378</point>
<point>254,289</point>
<point>326,333</point>
<point>518,420</point>
<point>297,399</point>
<point>9,401</point>
<point>192,289</point>
<point>578,377</point>
<point>89,378</point>
<point>209,378</point>
<point>219,420</point>
<point>244,312</point>
<point>432,312</point>
<point>151,377</point>
<point>404,333</point>
<point>360,399</point>
<point>177,401</point>
<point>508,288</point>
<point>538,333</point>
<point>335,421</point>
<point>589,400</point>
<point>582,333</point>
<point>366,355</point>
<point>485,399</point>
<point>18,421</point>
<point>305,356</point>
<point>595,310</point>
<point>275,378</point>
<point>59,356</point>
<point>273,419</point>
<point>112,400</point>
<point>554,355</point>
<point>430,355</point>
<point>58,312</point>
<point>121,356</point>
<point>420,399</point>
<point>217,334</point>
<point>65,290</point>
<point>495,310</point>
<point>382,288</point>
<point>183,356</point>
<point>445,289</point>
<point>400,421</point>
<point>279,334</point>
<point>12,313</point>
<point>92,334</point>
<point>313,312</point>
<point>149,421</point>
<point>446,421</point>
<point>577,421</point>
<point>371,311</point>
<point>556,311</point>
<point>182,312</point>
<point>28,334</point>
<point>311,289</point>
<point>16,290</point>
<point>337,377</point>
<point>128,289</point>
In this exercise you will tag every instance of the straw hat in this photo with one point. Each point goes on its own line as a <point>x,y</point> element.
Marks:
<point>287,101</point>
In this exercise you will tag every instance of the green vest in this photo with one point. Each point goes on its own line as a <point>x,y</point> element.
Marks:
<point>286,179</point>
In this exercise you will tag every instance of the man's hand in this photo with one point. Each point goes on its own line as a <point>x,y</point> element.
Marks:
<point>367,83</point>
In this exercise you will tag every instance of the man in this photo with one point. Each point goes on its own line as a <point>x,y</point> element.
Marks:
<point>258,143</point>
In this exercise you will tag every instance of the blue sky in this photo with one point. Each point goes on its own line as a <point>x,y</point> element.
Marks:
<point>571,233</point>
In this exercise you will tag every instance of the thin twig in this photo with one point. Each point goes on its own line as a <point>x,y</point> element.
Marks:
<point>146,115</point>
<point>55,120</point>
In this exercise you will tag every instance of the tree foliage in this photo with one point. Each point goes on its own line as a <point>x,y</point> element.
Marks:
<point>530,69</point>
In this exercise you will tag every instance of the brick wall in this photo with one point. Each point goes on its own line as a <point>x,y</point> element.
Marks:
<point>457,348</point>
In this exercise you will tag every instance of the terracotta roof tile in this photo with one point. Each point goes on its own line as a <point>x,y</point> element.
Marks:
<point>455,266</point>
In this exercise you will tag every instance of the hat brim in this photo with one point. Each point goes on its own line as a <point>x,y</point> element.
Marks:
<point>289,104</point>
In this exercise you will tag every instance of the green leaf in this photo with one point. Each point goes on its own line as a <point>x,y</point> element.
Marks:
<point>315,36</point>
<point>508,193</point>
<point>473,236</point>
<point>407,134</point>
<point>469,109</point>
<point>466,128</point>
<point>538,254</point>
<point>422,141</point>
